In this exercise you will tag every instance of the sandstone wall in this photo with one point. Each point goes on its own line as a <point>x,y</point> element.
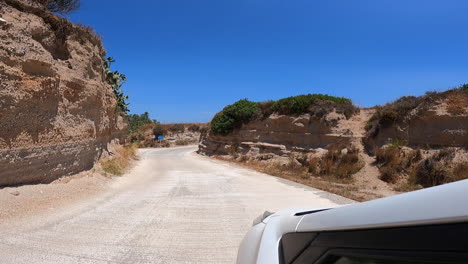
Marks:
<point>57,114</point>
<point>431,127</point>
<point>278,135</point>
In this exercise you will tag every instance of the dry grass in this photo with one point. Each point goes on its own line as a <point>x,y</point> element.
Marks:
<point>338,163</point>
<point>457,102</point>
<point>117,163</point>
<point>397,111</point>
<point>388,174</point>
<point>460,172</point>
<point>407,187</point>
<point>429,172</point>
<point>393,161</point>
<point>438,169</point>
<point>182,142</point>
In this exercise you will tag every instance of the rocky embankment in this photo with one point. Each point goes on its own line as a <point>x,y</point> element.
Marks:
<point>279,135</point>
<point>435,120</point>
<point>412,143</point>
<point>57,113</point>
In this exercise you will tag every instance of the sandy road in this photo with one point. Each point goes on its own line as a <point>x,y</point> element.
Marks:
<point>173,207</point>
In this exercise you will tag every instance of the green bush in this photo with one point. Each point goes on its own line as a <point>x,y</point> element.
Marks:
<point>116,79</point>
<point>243,111</point>
<point>300,104</point>
<point>232,116</point>
<point>136,121</point>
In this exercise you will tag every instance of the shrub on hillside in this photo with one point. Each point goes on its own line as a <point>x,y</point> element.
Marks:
<point>300,104</point>
<point>430,172</point>
<point>393,160</point>
<point>159,130</point>
<point>63,6</point>
<point>438,169</point>
<point>388,114</point>
<point>242,111</point>
<point>60,6</point>
<point>233,116</point>
<point>389,174</point>
<point>177,128</point>
<point>194,128</point>
<point>338,162</point>
<point>460,172</point>
<point>116,165</point>
<point>136,121</point>
<point>397,111</point>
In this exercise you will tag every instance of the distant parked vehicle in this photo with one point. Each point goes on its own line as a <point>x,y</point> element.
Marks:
<point>426,226</point>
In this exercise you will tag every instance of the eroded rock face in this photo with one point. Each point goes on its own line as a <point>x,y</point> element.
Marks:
<point>277,135</point>
<point>428,127</point>
<point>57,113</point>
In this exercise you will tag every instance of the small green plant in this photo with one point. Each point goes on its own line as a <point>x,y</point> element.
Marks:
<point>116,80</point>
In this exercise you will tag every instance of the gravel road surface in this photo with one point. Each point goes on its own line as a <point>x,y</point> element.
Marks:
<point>174,206</point>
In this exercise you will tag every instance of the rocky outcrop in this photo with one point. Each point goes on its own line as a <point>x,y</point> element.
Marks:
<point>278,135</point>
<point>430,125</point>
<point>57,113</point>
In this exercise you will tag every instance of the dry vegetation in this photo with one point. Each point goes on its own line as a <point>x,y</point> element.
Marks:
<point>412,170</point>
<point>396,112</point>
<point>119,161</point>
<point>331,172</point>
<point>341,163</point>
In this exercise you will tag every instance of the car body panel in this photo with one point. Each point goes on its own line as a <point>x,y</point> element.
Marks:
<point>436,205</point>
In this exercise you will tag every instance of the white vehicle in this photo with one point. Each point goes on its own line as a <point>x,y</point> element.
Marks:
<point>426,226</point>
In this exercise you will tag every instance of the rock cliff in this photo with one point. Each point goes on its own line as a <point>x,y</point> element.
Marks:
<point>435,120</point>
<point>279,135</point>
<point>57,113</point>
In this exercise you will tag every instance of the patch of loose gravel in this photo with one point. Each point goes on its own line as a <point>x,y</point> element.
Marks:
<point>24,201</point>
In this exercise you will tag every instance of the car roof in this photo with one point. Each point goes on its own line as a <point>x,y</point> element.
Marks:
<point>437,205</point>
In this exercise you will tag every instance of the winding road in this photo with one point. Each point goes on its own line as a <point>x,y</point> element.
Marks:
<point>174,206</point>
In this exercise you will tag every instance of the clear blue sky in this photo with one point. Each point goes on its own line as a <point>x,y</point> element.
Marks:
<point>186,59</point>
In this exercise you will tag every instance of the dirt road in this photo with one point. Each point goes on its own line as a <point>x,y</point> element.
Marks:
<point>173,207</point>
